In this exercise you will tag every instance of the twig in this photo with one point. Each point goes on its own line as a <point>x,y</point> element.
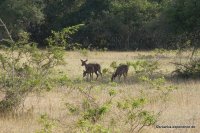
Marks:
<point>89,97</point>
<point>140,128</point>
<point>179,64</point>
<point>4,25</point>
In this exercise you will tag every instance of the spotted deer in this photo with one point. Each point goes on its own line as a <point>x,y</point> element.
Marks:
<point>91,68</point>
<point>121,70</point>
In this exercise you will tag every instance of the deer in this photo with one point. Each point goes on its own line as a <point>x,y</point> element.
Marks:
<point>91,68</point>
<point>121,70</point>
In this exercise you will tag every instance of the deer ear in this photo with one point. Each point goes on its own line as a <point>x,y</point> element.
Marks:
<point>81,59</point>
<point>86,60</point>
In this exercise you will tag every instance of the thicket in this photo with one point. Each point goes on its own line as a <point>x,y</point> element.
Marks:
<point>25,68</point>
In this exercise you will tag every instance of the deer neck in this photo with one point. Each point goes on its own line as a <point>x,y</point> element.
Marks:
<point>85,66</point>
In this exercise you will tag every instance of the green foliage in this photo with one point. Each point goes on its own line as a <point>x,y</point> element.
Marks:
<point>158,83</point>
<point>19,15</point>
<point>123,21</point>
<point>105,71</point>
<point>134,108</point>
<point>145,67</point>
<point>86,127</point>
<point>61,38</point>
<point>118,25</point>
<point>138,102</point>
<point>132,103</point>
<point>47,124</point>
<point>94,114</point>
<point>72,109</point>
<point>147,118</point>
<point>112,92</point>
<point>90,113</point>
<point>183,15</point>
<point>113,65</point>
<point>137,116</point>
<point>180,21</point>
<point>25,69</point>
<point>154,82</point>
<point>84,51</point>
<point>60,79</point>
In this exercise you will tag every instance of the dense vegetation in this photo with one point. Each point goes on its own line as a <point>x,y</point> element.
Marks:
<point>112,24</point>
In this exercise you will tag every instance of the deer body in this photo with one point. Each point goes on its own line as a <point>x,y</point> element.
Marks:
<point>88,71</point>
<point>121,70</point>
<point>91,68</point>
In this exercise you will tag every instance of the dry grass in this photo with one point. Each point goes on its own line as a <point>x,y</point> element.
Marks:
<point>182,108</point>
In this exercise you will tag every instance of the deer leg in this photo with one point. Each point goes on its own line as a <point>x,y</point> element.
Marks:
<point>87,76</point>
<point>90,76</point>
<point>119,77</point>
<point>96,74</point>
<point>100,72</point>
<point>124,74</point>
<point>112,78</point>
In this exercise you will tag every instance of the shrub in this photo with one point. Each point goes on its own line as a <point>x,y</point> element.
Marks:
<point>25,69</point>
<point>145,68</point>
<point>186,70</point>
<point>47,124</point>
<point>89,112</point>
<point>62,38</point>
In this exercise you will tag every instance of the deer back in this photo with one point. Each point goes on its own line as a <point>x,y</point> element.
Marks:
<point>95,66</point>
<point>121,69</point>
<point>89,68</point>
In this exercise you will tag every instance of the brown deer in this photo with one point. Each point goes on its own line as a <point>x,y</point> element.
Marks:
<point>121,70</point>
<point>91,68</point>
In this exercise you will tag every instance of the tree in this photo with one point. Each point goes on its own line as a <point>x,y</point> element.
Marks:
<point>183,15</point>
<point>19,15</point>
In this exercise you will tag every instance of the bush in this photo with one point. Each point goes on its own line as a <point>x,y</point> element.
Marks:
<point>190,69</point>
<point>47,124</point>
<point>145,68</point>
<point>89,112</point>
<point>25,69</point>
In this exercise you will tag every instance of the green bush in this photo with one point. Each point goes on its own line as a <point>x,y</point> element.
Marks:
<point>25,69</point>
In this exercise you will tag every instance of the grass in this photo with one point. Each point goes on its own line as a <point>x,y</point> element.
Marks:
<point>182,107</point>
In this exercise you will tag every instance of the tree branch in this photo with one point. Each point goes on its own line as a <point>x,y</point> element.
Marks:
<point>7,31</point>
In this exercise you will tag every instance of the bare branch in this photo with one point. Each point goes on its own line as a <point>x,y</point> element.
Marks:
<point>7,31</point>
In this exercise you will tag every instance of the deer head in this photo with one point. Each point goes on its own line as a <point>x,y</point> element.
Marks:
<point>83,62</point>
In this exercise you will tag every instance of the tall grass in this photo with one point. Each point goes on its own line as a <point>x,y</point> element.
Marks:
<point>182,106</point>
